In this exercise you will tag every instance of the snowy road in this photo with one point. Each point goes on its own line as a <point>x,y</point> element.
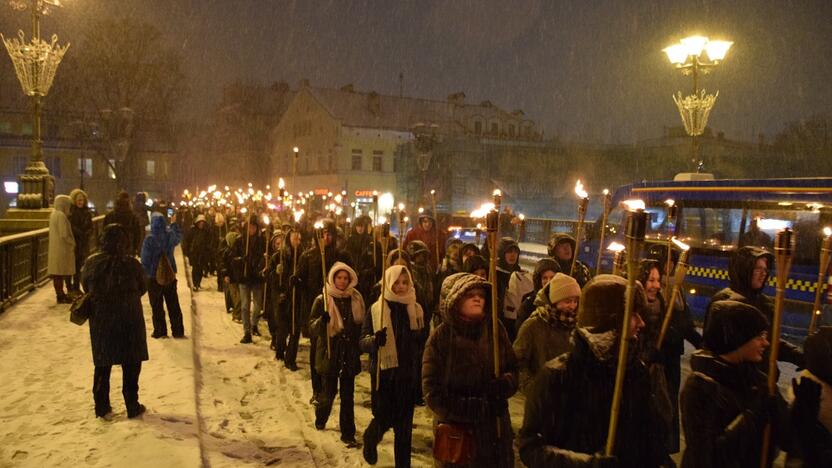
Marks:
<point>211,401</point>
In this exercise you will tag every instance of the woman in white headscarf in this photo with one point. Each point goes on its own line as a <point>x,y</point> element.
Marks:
<point>392,334</point>
<point>337,358</point>
<point>60,263</point>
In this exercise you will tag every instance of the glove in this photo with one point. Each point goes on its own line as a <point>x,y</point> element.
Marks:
<point>499,388</point>
<point>295,280</point>
<point>380,337</point>
<point>806,401</point>
<point>604,461</point>
<point>763,408</point>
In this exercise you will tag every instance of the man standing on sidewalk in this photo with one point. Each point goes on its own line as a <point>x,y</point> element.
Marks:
<point>249,253</point>
<point>157,248</point>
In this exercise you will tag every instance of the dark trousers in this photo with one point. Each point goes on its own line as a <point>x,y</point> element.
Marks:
<point>402,425</point>
<point>129,387</point>
<point>197,270</point>
<point>284,332</point>
<point>317,383</point>
<point>346,419</point>
<point>159,297</point>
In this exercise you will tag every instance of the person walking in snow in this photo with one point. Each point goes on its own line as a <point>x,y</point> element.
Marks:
<point>288,315</point>
<point>508,262</point>
<point>161,242</point>
<point>544,270</point>
<point>249,254</point>
<point>392,335</point>
<point>60,263</point>
<point>122,213</point>
<point>458,372</point>
<point>547,333</point>
<point>80,218</point>
<point>561,247</point>
<point>337,328</point>
<point>428,232</point>
<point>116,282</point>
<point>199,250</point>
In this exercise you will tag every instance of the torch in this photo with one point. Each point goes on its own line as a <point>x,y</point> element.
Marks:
<point>375,223</point>
<point>493,226</point>
<point>671,216</point>
<point>385,238</point>
<point>579,232</point>
<point>678,279</point>
<point>319,234</point>
<point>783,250</point>
<point>521,226</point>
<point>604,216</point>
<point>619,257</point>
<point>402,224</point>
<point>825,249</point>
<point>297,215</point>
<point>634,235</point>
<point>436,218</point>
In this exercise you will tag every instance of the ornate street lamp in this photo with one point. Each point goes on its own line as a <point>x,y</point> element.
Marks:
<point>696,55</point>
<point>35,64</point>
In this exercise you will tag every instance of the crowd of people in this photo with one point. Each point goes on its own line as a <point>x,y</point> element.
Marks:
<point>422,311</point>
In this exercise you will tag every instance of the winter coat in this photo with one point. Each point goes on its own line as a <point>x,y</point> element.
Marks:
<point>228,266</point>
<point>160,241</point>
<point>540,339</point>
<point>285,269</point>
<point>117,329</point>
<point>310,277</point>
<point>343,356</point>
<point>457,369</point>
<point>81,221</point>
<point>199,245</point>
<point>568,409</point>
<point>61,260</point>
<point>581,273</point>
<point>399,386</point>
<point>424,280</point>
<point>249,266</point>
<point>740,269</point>
<point>721,417</point>
<point>123,214</point>
<point>527,301</point>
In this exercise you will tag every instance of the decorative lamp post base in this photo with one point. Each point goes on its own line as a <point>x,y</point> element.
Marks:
<point>37,189</point>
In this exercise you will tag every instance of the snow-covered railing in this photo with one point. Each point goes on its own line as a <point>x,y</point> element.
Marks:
<point>23,260</point>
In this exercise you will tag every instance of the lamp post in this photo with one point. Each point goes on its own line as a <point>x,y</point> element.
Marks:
<point>688,57</point>
<point>35,64</point>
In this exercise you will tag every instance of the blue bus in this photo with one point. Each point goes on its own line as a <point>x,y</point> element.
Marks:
<point>716,217</point>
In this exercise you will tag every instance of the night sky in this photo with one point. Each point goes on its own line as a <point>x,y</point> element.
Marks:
<point>585,70</point>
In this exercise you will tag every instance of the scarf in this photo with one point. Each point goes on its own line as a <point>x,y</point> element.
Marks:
<point>336,320</point>
<point>550,314</point>
<point>387,356</point>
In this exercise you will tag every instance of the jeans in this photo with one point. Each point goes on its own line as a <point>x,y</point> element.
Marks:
<point>129,387</point>
<point>159,297</point>
<point>251,317</point>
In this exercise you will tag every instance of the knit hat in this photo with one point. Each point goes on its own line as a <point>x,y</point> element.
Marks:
<point>818,351</point>
<point>562,287</point>
<point>603,301</point>
<point>198,219</point>
<point>731,324</point>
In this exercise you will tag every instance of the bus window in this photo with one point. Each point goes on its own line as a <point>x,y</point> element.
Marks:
<point>710,228</point>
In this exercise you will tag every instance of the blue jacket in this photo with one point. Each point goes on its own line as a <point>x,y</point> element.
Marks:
<point>161,239</point>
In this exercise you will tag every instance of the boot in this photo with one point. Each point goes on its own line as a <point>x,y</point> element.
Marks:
<point>246,339</point>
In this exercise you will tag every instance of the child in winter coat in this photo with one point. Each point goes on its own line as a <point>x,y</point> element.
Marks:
<point>337,328</point>
<point>545,335</point>
<point>392,334</point>
<point>458,372</point>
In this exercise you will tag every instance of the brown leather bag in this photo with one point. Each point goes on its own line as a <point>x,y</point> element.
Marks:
<point>454,444</point>
<point>164,271</point>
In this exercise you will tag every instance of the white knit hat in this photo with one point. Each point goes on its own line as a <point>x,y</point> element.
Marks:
<point>562,287</point>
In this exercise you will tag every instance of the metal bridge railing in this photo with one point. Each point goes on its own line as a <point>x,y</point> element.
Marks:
<point>23,261</point>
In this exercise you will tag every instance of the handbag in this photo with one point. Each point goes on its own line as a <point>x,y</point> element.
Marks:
<point>453,443</point>
<point>164,272</point>
<point>80,309</point>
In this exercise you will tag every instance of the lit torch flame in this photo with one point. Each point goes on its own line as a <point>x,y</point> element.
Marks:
<point>615,247</point>
<point>281,184</point>
<point>684,247</point>
<point>579,190</point>
<point>827,231</point>
<point>634,204</point>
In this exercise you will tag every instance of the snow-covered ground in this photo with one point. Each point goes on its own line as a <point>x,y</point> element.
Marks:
<point>211,400</point>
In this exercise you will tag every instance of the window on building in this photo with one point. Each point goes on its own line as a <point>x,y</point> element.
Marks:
<point>478,127</point>
<point>20,163</point>
<point>332,162</point>
<point>26,129</point>
<point>356,162</point>
<point>377,160</point>
<point>5,127</point>
<point>85,164</point>
<point>321,163</point>
<point>53,163</point>
<point>110,173</point>
<point>378,152</point>
<point>495,128</point>
<point>511,130</point>
<point>151,167</point>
